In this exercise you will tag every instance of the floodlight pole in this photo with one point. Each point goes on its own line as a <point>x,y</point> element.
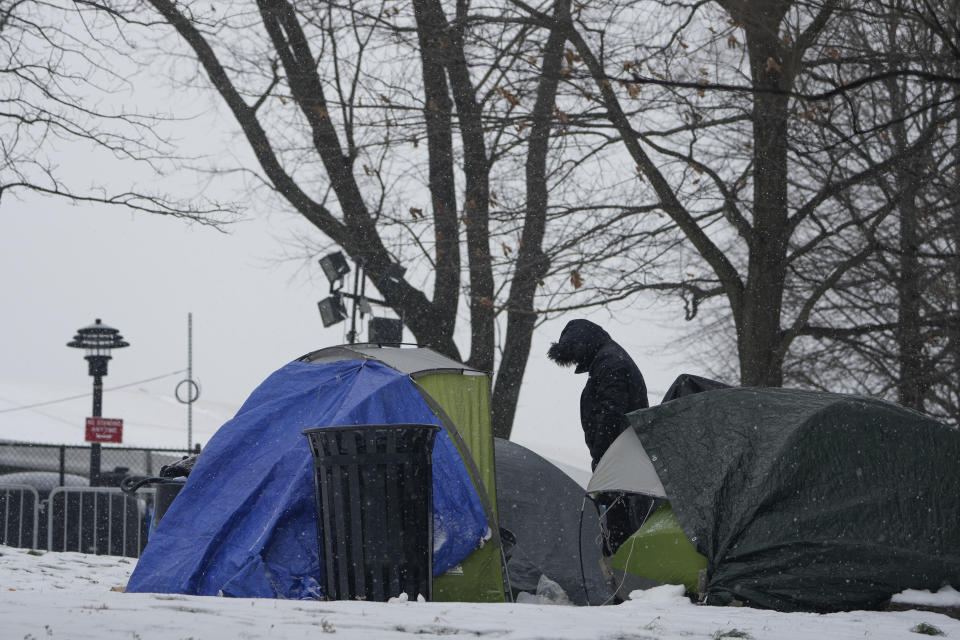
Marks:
<point>352,334</point>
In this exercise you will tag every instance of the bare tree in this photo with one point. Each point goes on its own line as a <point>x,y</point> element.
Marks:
<point>436,135</point>
<point>756,154</point>
<point>58,81</point>
<point>895,336</point>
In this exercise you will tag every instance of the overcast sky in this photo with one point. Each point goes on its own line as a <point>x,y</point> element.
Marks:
<point>63,266</point>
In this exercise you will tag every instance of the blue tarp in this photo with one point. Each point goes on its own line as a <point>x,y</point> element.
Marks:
<point>244,524</point>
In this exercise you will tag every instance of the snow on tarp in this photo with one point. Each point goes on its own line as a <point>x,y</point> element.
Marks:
<point>244,524</point>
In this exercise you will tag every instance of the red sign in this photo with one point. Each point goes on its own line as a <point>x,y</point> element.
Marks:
<point>104,430</point>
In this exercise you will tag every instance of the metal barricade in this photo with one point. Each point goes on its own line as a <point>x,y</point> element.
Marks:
<point>18,515</point>
<point>98,520</point>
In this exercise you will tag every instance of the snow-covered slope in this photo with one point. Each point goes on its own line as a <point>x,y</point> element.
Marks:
<point>71,595</point>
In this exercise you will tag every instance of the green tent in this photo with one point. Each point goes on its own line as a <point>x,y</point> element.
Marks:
<point>796,500</point>
<point>660,552</point>
<point>460,398</point>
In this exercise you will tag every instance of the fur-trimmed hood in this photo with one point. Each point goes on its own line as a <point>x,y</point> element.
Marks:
<point>579,343</point>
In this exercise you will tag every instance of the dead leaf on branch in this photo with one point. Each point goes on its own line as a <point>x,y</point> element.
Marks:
<point>385,99</point>
<point>575,279</point>
<point>571,57</point>
<point>416,212</point>
<point>511,97</point>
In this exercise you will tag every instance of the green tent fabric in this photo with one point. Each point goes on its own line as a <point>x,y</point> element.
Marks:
<point>466,400</point>
<point>809,501</point>
<point>660,551</point>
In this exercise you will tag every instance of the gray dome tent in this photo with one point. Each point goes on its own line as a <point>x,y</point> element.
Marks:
<point>807,501</point>
<point>540,505</point>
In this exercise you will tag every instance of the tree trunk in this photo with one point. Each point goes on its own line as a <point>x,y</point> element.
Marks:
<point>532,263</point>
<point>759,343</point>
<point>476,208</point>
<point>911,385</point>
<point>443,192</point>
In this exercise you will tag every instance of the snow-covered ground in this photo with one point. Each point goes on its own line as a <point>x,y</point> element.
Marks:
<point>77,596</point>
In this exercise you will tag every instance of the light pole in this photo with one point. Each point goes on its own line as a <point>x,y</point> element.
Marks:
<point>98,340</point>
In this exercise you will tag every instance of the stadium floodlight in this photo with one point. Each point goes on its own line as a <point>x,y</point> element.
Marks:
<point>332,310</point>
<point>385,331</point>
<point>335,267</point>
<point>393,274</point>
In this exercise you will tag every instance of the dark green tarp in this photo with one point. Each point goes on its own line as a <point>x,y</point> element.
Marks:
<point>808,501</point>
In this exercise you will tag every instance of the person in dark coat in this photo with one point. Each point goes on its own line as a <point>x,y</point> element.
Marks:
<point>614,388</point>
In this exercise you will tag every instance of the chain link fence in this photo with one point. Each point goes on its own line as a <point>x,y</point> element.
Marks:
<point>47,501</point>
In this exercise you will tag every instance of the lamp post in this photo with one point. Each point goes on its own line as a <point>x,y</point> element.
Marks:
<point>98,340</point>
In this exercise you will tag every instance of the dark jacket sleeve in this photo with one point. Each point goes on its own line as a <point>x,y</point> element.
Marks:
<point>612,403</point>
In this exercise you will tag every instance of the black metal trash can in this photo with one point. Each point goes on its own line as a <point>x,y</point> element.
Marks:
<point>374,502</point>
